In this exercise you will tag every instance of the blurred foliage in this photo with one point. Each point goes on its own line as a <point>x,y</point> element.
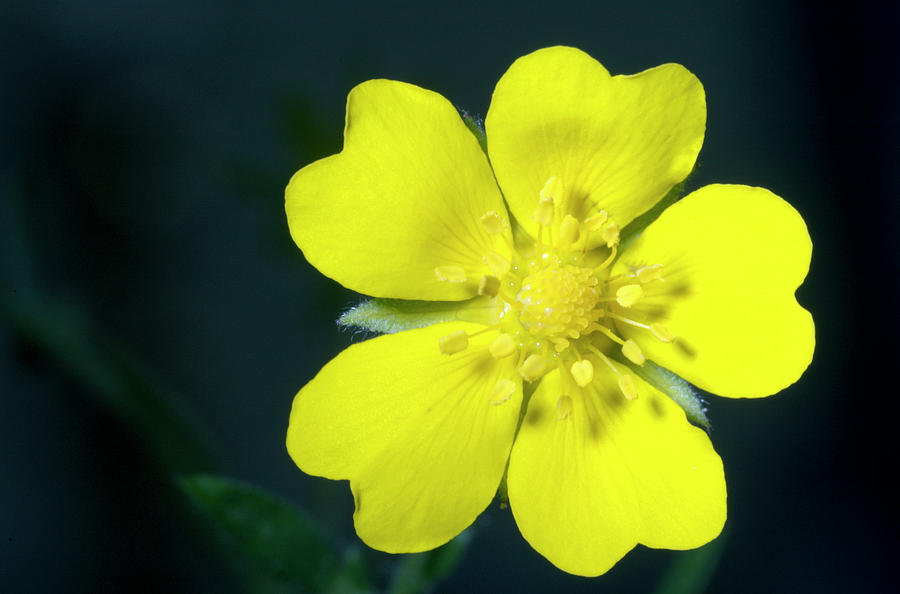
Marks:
<point>104,369</point>
<point>692,571</point>
<point>277,547</point>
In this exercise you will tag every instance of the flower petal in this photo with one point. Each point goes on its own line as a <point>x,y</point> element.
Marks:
<point>732,257</point>
<point>586,488</point>
<point>413,430</point>
<point>617,143</point>
<point>404,197</point>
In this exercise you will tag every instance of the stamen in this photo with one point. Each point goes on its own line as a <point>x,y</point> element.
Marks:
<point>608,261</point>
<point>569,230</point>
<point>454,342</point>
<point>488,285</point>
<point>533,367</point>
<point>503,346</point>
<point>450,274</point>
<point>582,372</point>
<point>496,263</point>
<point>627,320</point>
<point>650,273</point>
<point>501,391</point>
<point>543,214</point>
<point>493,223</point>
<point>660,332</point>
<point>560,344</point>
<point>629,295</point>
<point>563,408</point>
<point>611,234</point>
<point>628,387</point>
<point>609,333</point>
<point>633,352</point>
<point>550,189</point>
<point>596,222</point>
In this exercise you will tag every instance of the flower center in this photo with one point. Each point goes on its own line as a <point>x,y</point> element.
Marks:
<point>559,302</point>
<point>557,305</point>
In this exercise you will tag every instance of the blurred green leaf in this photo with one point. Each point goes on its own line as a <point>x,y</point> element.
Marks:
<point>353,576</point>
<point>104,370</point>
<point>692,571</point>
<point>420,572</point>
<point>276,545</point>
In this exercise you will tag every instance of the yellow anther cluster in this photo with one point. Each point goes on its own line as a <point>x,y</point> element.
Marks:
<point>553,307</point>
<point>559,302</point>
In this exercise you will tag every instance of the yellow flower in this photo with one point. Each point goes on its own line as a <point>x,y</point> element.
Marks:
<point>423,422</point>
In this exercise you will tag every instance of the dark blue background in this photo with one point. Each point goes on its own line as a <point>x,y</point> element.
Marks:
<point>145,148</point>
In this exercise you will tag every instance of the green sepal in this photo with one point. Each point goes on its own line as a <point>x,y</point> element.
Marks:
<point>675,387</point>
<point>476,125</point>
<point>387,316</point>
<point>633,229</point>
<point>275,545</point>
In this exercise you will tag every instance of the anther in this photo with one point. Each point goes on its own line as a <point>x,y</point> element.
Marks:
<point>633,352</point>
<point>629,295</point>
<point>454,342</point>
<point>569,230</point>
<point>550,189</point>
<point>503,346</point>
<point>582,372</point>
<point>596,222</point>
<point>628,387</point>
<point>559,344</point>
<point>533,367</point>
<point>501,391</point>
<point>610,235</point>
<point>450,274</point>
<point>493,223</point>
<point>543,214</point>
<point>563,407</point>
<point>650,273</point>
<point>488,285</point>
<point>661,332</point>
<point>496,263</point>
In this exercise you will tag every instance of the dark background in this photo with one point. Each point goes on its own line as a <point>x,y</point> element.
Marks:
<point>145,148</point>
